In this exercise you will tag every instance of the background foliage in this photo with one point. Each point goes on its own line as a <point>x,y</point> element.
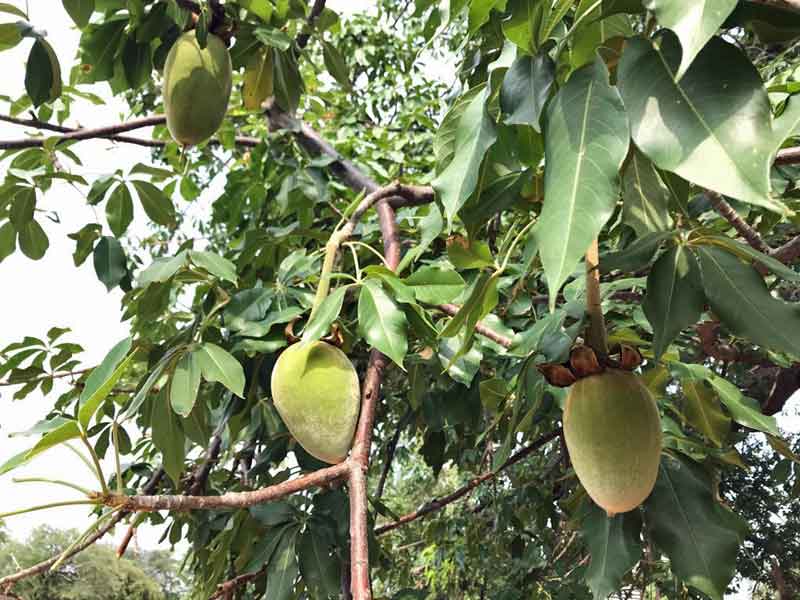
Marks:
<point>540,125</point>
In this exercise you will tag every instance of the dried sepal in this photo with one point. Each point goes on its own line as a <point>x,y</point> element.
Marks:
<point>557,375</point>
<point>629,357</point>
<point>583,361</point>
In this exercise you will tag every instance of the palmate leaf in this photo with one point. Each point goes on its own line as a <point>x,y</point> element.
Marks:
<point>699,535</point>
<point>709,128</point>
<point>586,140</point>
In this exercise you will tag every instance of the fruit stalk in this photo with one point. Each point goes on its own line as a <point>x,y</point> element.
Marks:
<point>331,249</point>
<point>596,332</point>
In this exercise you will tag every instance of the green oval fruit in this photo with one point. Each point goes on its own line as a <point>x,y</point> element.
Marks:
<point>316,391</point>
<point>613,434</point>
<point>197,87</point>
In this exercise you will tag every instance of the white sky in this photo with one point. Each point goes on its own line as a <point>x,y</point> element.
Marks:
<point>53,292</point>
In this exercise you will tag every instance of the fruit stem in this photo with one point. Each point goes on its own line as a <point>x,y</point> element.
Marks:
<point>331,248</point>
<point>596,332</point>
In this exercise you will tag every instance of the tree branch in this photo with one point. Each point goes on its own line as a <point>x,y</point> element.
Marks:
<point>8,581</point>
<point>728,213</point>
<point>316,11</point>
<point>439,503</point>
<point>391,447</point>
<point>484,330</point>
<point>109,132</point>
<point>231,500</point>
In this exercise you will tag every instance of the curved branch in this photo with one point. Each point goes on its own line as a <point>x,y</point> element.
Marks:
<point>728,213</point>
<point>232,499</point>
<point>484,330</point>
<point>9,580</point>
<point>440,503</point>
<point>109,132</point>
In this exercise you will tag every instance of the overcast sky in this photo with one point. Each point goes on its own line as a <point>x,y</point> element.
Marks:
<point>37,295</point>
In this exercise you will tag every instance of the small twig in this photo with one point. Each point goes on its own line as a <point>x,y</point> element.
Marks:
<point>390,450</point>
<point>43,377</point>
<point>484,330</point>
<point>316,11</point>
<point>440,503</point>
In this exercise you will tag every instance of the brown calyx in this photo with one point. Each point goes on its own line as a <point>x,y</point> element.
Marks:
<point>584,362</point>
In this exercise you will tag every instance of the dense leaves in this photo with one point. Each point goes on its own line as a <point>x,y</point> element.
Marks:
<point>540,127</point>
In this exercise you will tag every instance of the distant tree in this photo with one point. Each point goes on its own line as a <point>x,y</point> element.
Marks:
<point>92,575</point>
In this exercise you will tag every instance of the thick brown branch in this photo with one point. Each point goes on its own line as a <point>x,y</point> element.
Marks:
<point>9,580</point>
<point>789,252</point>
<point>727,212</point>
<point>232,499</point>
<point>439,503</point>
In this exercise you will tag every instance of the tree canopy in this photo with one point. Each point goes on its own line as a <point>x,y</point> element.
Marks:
<point>463,196</point>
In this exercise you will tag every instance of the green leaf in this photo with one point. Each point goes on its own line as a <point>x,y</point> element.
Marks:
<point>720,108</point>
<point>595,31</point>
<point>467,253</point>
<point>8,240</point>
<point>184,384</point>
<point>435,285</point>
<point>102,380</point>
<point>746,252</point>
<point>12,10</point>
<point>694,24</point>
<point>64,433</point>
<point>742,409</point>
<point>43,73</point>
<point>80,11</point>
<point>265,548</point>
<point>137,62</point>
<point>33,240</point>
<point>257,83</point>
<point>161,269</point>
<point>461,368</point>
<point>703,412</point>
<point>674,298</point>
<point>645,197</point>
<point>288,83</point>
<point>699,535</point>
<point>155,203</point>
<point>219,365</point>
<point>335,64</point>
<point>215,264</point>
<point>23,206</point>
<point>586,140</point>
<point>615,547</point>
<point>273,513</point>
<point>274,38</point>
<point>10,35</point>
<point>261,8</point>
<point>168,437</point>
<point>381,322</point>
<point>474,135</point>
<point>283,568</point>
<point>320,569</point>
<point>526,88</point>
<point>637,255</point>
<point>327,313</point>
<point>119,209</point>
<point>84,239</point>
<point>141,394</point>
<point>110,263</point>
<point>739,296</point>
<point>522,26</point>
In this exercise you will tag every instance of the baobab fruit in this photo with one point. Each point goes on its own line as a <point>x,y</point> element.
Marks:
<point>197,87</point>
<point>316,392</point>
<point>613,434</point>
